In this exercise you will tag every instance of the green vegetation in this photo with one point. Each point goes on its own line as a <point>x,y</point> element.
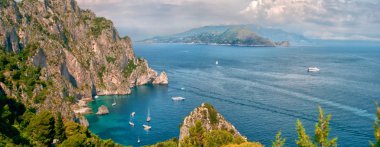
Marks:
<point>129,68</point>
<point>279,141</point>
<point>110,59</point>
<point>321,137</point>
<point>212,113</point>
<point>101,72</point>
<point>4,3</point>
<point>377,129</point>
<point>200,137</point>
<point>169,143</point>
<point>18,75</point>
<point>98,25</point>
<point>21,126</point>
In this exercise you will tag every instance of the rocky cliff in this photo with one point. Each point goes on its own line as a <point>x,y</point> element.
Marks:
<point>210,120</point>
<point>80,54</point>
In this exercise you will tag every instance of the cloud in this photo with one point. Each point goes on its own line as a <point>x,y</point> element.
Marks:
<point>348,18</point>
<point>145,18</point>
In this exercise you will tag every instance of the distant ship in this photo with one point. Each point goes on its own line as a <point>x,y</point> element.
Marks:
<point>178,98</point>
<point>216,62</point>
<point>313,69</point>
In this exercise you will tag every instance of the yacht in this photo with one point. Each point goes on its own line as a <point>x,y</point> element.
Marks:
<point>131,124</point>
<point>178,98</point>
<point>313,69</point>
<point>147,127</point>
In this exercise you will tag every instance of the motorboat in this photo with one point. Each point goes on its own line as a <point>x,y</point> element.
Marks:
<point>313,69</point>
<point>148,118</point>
<point>178,98</point>
<point>147,127</point>
<point>133,114</point>
<point>131,124</point>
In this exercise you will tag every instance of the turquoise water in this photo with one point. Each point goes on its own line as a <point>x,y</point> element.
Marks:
<point>259,90</point>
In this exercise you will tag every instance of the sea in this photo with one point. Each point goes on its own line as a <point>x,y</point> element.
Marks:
<point>260,90</point>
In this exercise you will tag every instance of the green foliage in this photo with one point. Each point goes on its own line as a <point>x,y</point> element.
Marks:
<point>59,128</point>
<point>377,129</point>
<point>212,113</point>
<point>74,140</point>
<point>321,133</point>
<point>110,59</point>
<point>169,143</point>
<point>303,138</point>
<point>41,129</point>
<point>98,25</point>
<point>279,141</point>
<point>4,3</point>
<point>198,136</point>
<point>101,72</point>
<point>129,68</point>
<point>322,130</point>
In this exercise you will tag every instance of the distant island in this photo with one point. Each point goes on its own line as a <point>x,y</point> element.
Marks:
<point>236,35</point>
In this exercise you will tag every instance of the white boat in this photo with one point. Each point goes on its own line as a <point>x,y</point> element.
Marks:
<point>146,127</point>
<point>138,139</point>
<point>96,96</point>
<point>313,69</point>
<point>216,62</point>
<point>114,102</point>
<point>133,114</point>
<point>178,98</point>
<point>183,88</point>
<point>131,124</point>
<point>148,118</point>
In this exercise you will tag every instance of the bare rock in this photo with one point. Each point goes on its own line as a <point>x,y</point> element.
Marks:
<point>102,110</point>
<point>162,79</point>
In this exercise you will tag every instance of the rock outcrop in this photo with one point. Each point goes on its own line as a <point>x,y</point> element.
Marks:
<point>80,54</point>
<point>102,110</point>
<point>210,119</point>
<point>162,79</point>
<point>283,44</point>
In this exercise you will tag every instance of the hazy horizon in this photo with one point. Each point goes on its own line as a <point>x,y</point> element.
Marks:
<point>315,19</point>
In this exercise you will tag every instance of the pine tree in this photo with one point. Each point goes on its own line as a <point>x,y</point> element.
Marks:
<point>377,129</point>
<point>322,131</point>
<point>279,141</point>
<point>59,128</point>
<point>303,138</point>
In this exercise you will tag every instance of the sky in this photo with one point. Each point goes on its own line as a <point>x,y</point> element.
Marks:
<point>316,19</point>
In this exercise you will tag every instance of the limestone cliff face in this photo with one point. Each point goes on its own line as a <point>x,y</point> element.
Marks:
<point>210,119</point>
<point>81,54</point>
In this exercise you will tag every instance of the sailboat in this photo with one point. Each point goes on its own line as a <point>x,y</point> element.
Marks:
<point>148,118</point>
<point>114,102</point>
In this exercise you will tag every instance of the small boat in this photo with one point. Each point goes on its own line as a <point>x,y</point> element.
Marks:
<point>183,88</point>
<point>216,62</point>
<point>147,127</point>
<point>114,102</point>
<point>133,114</point>
<point>96,96</point>
<point>138,139</point>
<point>148,118</point>
<point>131,124</point>
<point>313,69</point>
<point>178,98</point>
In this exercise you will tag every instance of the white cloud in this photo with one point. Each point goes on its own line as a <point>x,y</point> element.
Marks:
<point>142,18</point>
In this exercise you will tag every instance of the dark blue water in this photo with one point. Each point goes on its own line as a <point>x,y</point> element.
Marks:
<point>259,90</point>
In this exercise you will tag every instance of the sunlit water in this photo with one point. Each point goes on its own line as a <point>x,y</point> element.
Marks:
<point>259,90</point>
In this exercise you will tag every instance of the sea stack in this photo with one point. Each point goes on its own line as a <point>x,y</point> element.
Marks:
<point>102,110</point>
<point>162,79</point>
<point>210,119</point>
